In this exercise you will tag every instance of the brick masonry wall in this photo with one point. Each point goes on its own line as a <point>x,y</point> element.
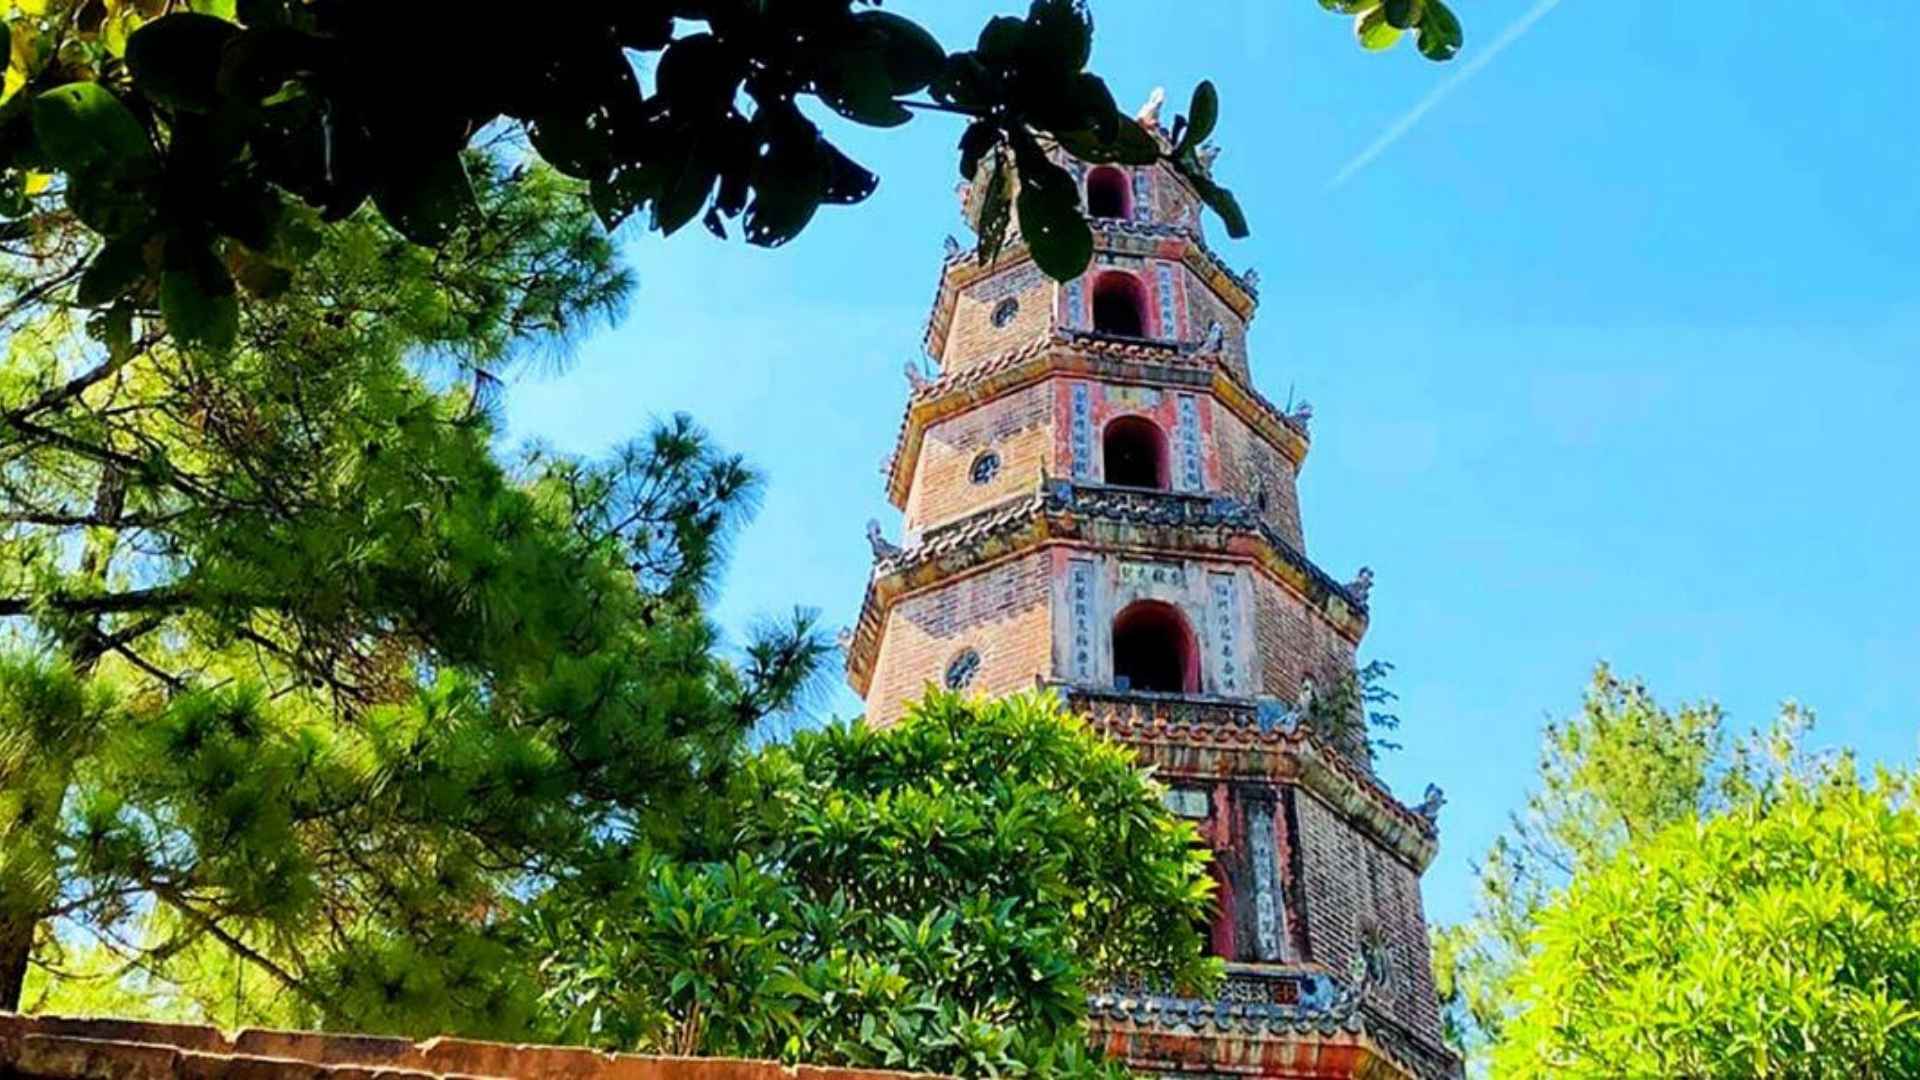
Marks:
<point>1249,464</point>
<point>1204,309</point>
<point>1349,888</point>
<point>972,337</point>
<point>1294,642</point>
<point>1017,427</point>
<point>61,1048</point>
<point>1002,611</point>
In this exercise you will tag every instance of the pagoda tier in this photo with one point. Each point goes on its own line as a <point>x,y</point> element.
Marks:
<point>1098,502</point>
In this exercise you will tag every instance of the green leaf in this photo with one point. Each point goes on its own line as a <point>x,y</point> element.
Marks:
<point>976,142</point>
<point>1059,35</point>
<point>858,87</point>
<point>1056,232</point>
<point>81,127</point>
<point>913,56</point>
<point>108,204</point>
<point>427,204</point>
<point>116,267</point>
<point>1374,31</point>
<point>1202,115</point>
<point>176,59</point>
<point>996,207</point>
<point>1440,34</point>
<point>197,296</point>
<point>1402,14</point>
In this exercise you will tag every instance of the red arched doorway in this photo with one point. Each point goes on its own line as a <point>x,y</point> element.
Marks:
<point>1119,305</point>
<point>1108,194</point>
<point>1154,650</point>
<point>1134,453</point>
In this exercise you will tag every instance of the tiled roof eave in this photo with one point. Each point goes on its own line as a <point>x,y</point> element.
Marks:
<point>1081,352</point>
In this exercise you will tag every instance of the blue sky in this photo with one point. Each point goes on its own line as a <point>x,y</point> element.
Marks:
<point>1613,355</point>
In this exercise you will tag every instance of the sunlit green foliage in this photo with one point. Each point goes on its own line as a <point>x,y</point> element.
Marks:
<point>940,895</point>
<point>296,668</point>
<point>1777,939</point>
<point>1623,768</point>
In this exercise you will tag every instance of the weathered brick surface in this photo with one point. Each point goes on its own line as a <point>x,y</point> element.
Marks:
<point>1001,611</point>
<point>972,337</point>
<point>1251,467</point>
<point>1295,642</point>
<point>1350,889</point>
<point>65,1048</point>
<point>1204,308</point>
<point>1017,427</point>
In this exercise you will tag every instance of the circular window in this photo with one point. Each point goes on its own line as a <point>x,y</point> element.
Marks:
<point>985,467</point>
<point>961,670</point>
<point>1005,310</point>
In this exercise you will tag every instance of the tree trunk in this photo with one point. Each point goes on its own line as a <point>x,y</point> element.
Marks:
<point>16,945</point>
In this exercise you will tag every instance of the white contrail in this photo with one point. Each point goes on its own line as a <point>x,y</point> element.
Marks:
<point>1453,82</point>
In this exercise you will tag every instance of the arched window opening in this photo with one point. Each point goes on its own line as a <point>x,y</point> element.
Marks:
<point>1154,651</point>
<point>1119,305</point>
<point>1136,454</point>
<point>1108,193</point>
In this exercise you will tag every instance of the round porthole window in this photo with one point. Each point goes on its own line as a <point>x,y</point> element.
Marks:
<point>985,467</point>
<point>1005,310</point>
<point>961,670</point>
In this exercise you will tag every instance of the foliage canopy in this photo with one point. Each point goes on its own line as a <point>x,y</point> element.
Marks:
<point>939,896</point>
<point>1779,939</point>
<point>294,661</point>
<point>182,132</point>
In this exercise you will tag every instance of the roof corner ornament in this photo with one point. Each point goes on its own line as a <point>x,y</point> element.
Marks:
<point>844,639</point>
<point>953,247</point>
<point>1361,587</point>
<point>1252,278</point>
<point>1429,807</point>
<point>916,378</point>
<point>1208,154</point>
<point>882,547</point>
<point>1149,114</point>
<point>1302,414</point>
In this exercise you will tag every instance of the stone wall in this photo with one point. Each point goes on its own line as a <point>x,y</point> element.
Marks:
<point>59,1048</point>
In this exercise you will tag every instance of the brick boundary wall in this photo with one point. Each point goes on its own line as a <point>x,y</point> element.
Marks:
<point>64,1048</point>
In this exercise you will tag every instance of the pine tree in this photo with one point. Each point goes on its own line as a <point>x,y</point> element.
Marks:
<point>295,668</point>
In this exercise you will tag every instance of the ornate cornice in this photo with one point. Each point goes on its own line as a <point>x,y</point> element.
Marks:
<point>1193,736</point>
<point>962,268</point>
<point>1113,518</point>
<point>1347,1037</point>
<point>1093,355</point>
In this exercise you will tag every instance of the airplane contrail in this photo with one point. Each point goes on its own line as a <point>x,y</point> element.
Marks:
<point>1400,127</point>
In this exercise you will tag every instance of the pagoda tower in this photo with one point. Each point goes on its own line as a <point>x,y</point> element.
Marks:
<point>1098,501</point>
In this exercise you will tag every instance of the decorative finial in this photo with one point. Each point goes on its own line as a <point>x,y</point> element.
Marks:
<point>953,246</point>
<point>1303,704</point>
<point>1302,414</point>
<point>882,547</point>
<point>1149,114</point>
<point>1429,807</point>
<point>1208,154</point>
<point>1362,585</point>
<point>916,378</point>
<point>844,639</point>
<point>1251,277</point>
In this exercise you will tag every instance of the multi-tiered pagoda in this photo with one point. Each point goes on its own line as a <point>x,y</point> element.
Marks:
<point>1098,500</point>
